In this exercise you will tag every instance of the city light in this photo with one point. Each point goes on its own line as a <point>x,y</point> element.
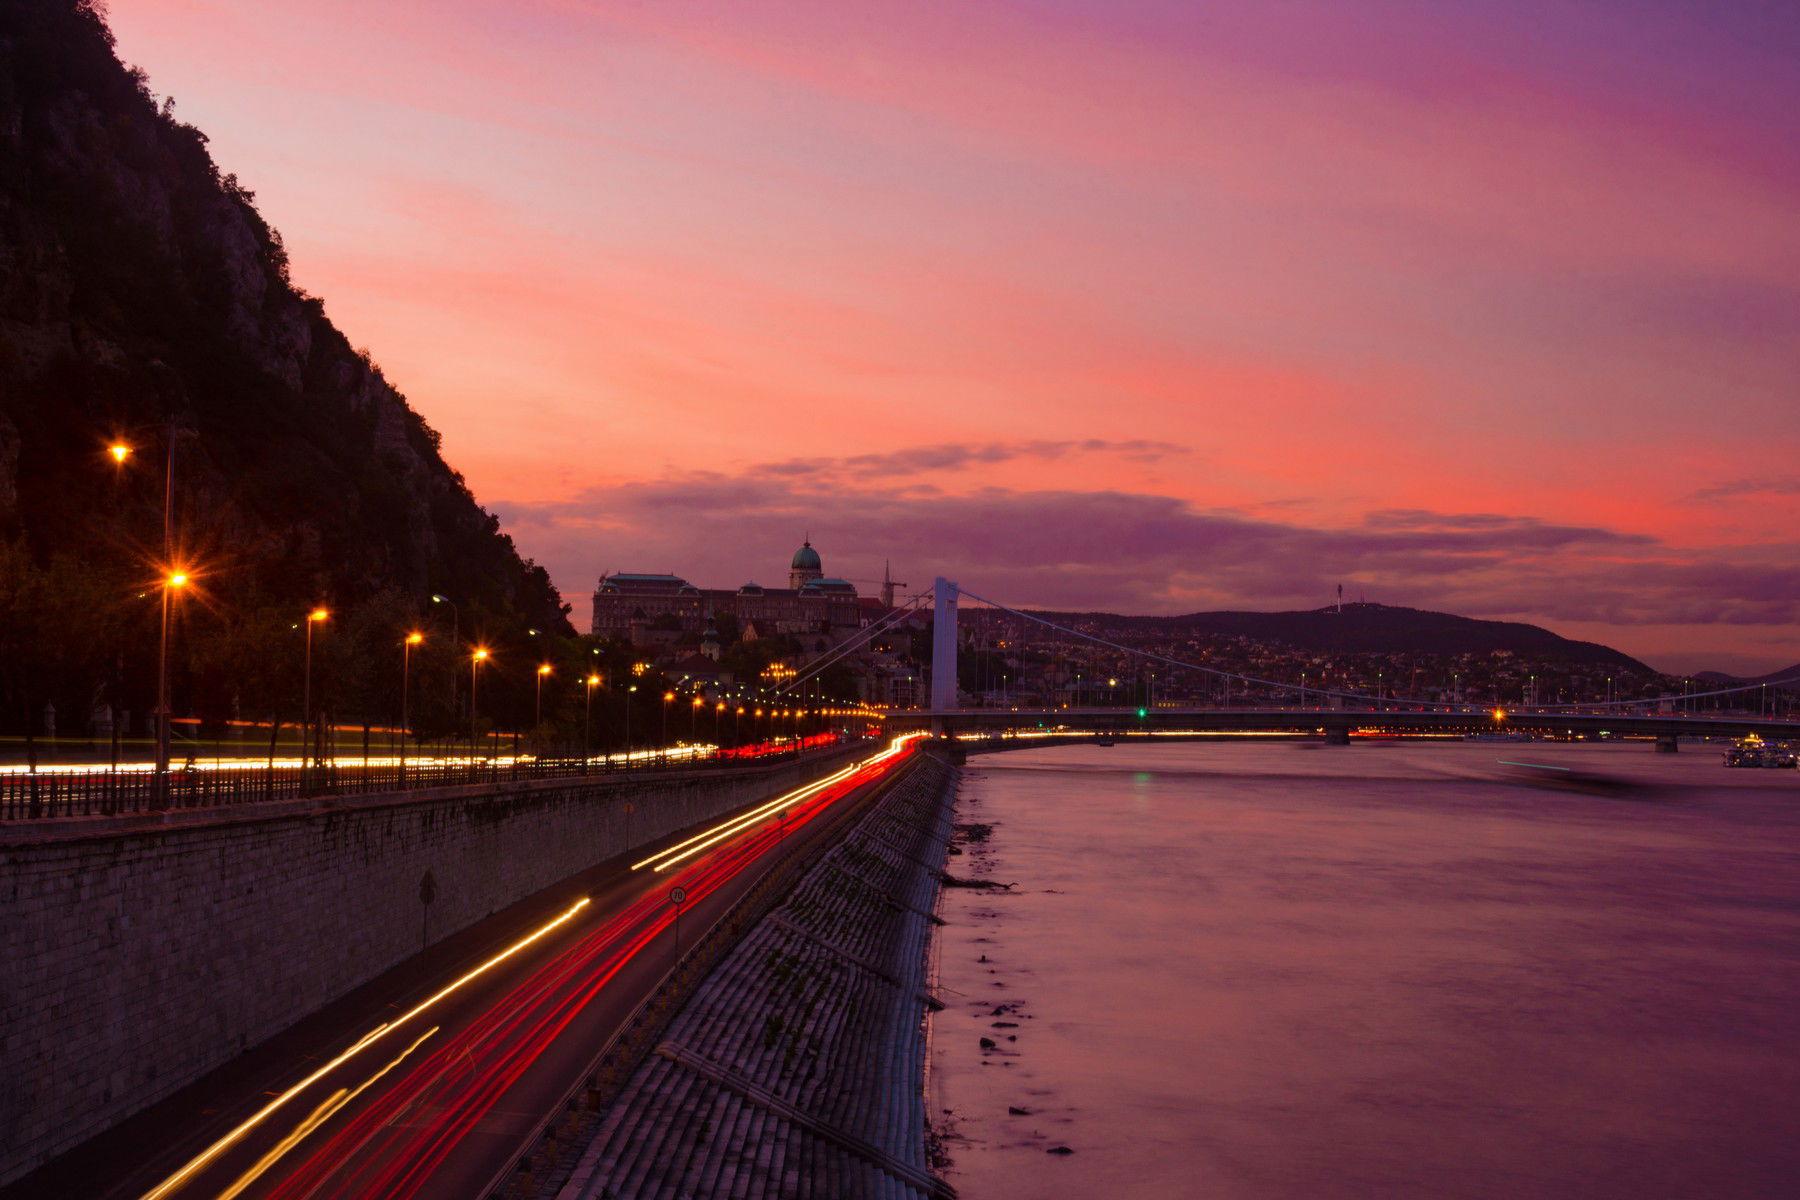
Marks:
<point>413,639</point>
<point>119,452</point>
<point>317,614</point>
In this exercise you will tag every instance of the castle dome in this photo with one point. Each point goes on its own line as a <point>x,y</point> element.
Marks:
<point>806,558</point>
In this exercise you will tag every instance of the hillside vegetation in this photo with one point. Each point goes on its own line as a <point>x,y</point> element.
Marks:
<point>143,299</point>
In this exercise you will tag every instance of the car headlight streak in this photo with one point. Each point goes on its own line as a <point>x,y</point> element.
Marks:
<point>705,839</point>
<point>225,1143</point>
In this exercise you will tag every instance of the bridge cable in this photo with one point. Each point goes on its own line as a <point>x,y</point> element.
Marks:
<point>1448,706</point>
<point>1176,662</point>
<point>883,624</point>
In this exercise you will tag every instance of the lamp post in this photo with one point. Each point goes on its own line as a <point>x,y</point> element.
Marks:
<point>475,661</point>
<point>667,698</point>
<point>412,639</point>
<point>455,615</point>
<point>543,670</point>
<point>455,641</point>
<point>629,693</point>
<point>737,726</point>
<point>312,618</point>
<point>174,580</point>
<point>694,720</point>
<point>587,718</point>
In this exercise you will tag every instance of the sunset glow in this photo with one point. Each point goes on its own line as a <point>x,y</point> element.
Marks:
<point>1150,307</point>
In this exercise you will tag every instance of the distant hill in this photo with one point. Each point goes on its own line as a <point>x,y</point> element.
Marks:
<point>143,297</point>
<point>1720,677</point>
<point>1377,629</point>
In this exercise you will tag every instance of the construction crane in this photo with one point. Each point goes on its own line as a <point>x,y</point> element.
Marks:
<point>888,584</point>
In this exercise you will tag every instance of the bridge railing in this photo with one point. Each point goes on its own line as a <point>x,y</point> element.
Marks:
<point>43,795</point>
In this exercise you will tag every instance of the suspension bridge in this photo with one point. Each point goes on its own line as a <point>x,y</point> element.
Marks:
<point>1333,715</point>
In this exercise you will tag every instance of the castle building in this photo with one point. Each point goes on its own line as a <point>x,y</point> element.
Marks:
<point>806,566</point>
<point>628,605</point>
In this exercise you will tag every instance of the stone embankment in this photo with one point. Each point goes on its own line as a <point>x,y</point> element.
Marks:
<point>796,1069</point>
<point>137,956</point>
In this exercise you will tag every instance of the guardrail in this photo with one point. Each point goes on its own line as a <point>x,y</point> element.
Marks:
<point>33,796</point>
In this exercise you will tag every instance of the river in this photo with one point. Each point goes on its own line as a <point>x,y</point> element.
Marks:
<point>1248,970</point>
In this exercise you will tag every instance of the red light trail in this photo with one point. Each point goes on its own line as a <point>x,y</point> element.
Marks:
<point>405,1127</point>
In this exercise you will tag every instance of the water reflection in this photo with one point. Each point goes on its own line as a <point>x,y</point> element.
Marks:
<point>1250,971</point>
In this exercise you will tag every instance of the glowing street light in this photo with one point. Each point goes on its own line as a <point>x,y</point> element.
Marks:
<point>120,451</point>
<point>475,660</point>
<point>411,640</point>
<point>543,670</point>
<point>312,618</point>
<point>175,581</point>
<point>629,693</point>
<point>667,697</point>
<point>587,715</point>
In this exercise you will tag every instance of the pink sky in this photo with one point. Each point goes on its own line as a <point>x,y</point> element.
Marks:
<point>1146,306</point>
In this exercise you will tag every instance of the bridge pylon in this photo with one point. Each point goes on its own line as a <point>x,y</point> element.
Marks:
<point>943,652</point>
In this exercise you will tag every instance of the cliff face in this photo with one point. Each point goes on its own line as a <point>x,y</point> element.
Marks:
<point>142,295</point>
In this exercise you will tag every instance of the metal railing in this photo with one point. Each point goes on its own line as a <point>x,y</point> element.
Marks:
<point>44,795</point>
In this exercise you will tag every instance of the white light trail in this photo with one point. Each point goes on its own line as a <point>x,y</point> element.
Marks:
<point>705,839</point>
<point>224,1143</point>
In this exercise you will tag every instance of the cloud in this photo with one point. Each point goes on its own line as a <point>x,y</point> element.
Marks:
<point>1789,486</point>
<point>1140,552</point>
<point>960,456</point>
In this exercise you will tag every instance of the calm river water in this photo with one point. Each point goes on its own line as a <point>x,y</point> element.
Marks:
<point>1244,970</point>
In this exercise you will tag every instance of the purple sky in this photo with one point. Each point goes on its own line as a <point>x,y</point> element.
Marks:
<point>1155,307</point>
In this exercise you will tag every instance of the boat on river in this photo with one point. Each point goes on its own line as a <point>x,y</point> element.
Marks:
<point>1753,751</point>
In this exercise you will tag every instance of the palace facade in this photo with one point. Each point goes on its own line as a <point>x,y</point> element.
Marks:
<point>812,603</point>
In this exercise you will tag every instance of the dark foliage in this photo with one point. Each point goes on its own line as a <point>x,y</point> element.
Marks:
<point>144,299</point>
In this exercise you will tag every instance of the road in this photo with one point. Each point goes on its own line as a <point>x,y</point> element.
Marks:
<point>432,1088</point>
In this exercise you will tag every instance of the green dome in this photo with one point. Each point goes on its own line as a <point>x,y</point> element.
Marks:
<point>806,558</point>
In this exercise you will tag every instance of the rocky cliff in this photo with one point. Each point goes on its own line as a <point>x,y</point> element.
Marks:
<point>142,297</point>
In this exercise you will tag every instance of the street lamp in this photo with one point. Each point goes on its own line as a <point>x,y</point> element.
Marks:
<point>629,693</point>
<point>475,660</point>
<point>587,717</point>
<point>455,615</point>
<point>120,451</point>
<point>312,618</point>
<point>176,578</point>
<point>455,640</point>
<point>543,670</point>
<point>667,697</point>
<point>694,720</point>
<point>174,581</point>
<point>412,639</point>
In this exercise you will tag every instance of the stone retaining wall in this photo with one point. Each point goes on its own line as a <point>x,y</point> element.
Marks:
<point>134,960</point>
